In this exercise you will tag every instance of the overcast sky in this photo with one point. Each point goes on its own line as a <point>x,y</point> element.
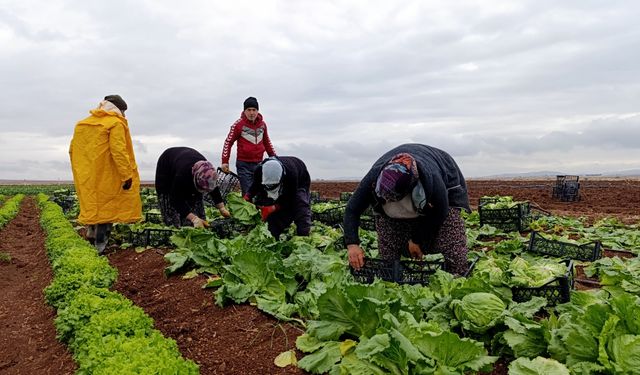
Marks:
<point>503,86</point>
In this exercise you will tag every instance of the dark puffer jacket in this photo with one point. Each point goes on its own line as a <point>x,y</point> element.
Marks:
<point>439,175</point>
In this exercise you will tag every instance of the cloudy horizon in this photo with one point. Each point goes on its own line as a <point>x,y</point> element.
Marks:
<point>504,87</point>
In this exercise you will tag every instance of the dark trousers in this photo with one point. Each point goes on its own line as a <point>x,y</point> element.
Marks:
<point>245,171</point>
<point>298,212</point>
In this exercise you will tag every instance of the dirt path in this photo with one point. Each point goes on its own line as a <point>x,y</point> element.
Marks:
<point>27,334</point>
<point>238,339</point>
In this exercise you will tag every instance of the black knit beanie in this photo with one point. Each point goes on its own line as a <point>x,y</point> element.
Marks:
<point>117,101</point>
<point>251,102</point>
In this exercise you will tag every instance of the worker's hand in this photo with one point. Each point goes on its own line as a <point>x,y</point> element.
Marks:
<point>224,212</point>
<point>414,250</point>
<point>199,223</point>
<point>225,167</point>
<point>267,210</point>
<point>247,198</point>
<point>127,184</point>
<point>356,256</point>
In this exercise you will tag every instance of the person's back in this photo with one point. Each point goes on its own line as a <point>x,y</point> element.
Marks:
<point>175,163</point>
<point>281,189</point>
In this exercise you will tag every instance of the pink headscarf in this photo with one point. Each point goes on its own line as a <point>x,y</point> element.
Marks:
<point>205,176</point>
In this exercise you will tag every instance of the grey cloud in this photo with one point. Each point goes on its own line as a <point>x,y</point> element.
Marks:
<point>379,68</point>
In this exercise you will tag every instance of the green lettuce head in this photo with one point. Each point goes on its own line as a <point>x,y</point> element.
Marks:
<point>478,311</point>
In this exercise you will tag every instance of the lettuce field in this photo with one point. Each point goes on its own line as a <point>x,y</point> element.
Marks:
<point>233,300</point>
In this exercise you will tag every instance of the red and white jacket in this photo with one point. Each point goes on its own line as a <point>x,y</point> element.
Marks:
<point>253,140</point>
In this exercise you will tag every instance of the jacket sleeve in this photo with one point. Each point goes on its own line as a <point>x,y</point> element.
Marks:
<point>358,203</point>
<point>268,146</point>
<point>118,148</point>
<point>229,141</point>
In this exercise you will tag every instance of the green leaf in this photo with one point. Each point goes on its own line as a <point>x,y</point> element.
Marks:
<point>322,360</point>
<point>285,359</point>
<point>537,366</point>
<point>625,353</point>
<point>450,351</point>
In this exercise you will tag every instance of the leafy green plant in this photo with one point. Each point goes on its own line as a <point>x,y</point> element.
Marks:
<point>5,257</point>
<point>107,334</point>
<point>10,209</point>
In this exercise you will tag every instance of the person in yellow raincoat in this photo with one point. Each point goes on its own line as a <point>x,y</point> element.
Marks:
<point>105,173</point>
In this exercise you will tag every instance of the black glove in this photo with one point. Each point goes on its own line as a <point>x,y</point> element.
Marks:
<point>127,184</point>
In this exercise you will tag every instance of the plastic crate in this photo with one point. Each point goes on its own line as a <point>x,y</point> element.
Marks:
<point>567,188</point>
<point>555,291</point>
<point>368,223</point>
<point>65,201</point>
<point>229,227</point>
<point>227,182</point>
<point>332,217</point>
<point>586,252</point>
<point>316,198</point>
<point>414,272</point>
<point>154,237</point>
<point>516,218</point>
<point>345,196</point>
<point>410,272</point>
<point>398,271</point>
<point>153,217</point>
<point>376,269</point>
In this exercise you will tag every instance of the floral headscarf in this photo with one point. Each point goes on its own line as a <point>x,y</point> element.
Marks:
<point>205,176</point>
<point>397,178</point>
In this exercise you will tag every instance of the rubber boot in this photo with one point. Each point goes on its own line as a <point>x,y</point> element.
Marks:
<point>91,234</point>
<point>102,237</point>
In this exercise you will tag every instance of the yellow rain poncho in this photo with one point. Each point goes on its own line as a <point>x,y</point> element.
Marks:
<point>102,160</point>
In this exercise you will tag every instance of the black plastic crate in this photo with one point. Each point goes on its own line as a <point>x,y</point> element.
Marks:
<point>410,272</point>
<point>516,218</point>
<point>332,217</point>
<point>345,196</point>
<point>154,237</point>
<point>555,291</point>
<point>227,182</point>
<point>229,227</point>
<point>316,198</point>
<point>418,271</point>
<point>222,228</point>
<point>373,268</point>
<point>586,252</point>
<point>153,217</point>
<point>66,202</point>
<point>398,271</point>
<point>367,223</point>
<point>567,188</point>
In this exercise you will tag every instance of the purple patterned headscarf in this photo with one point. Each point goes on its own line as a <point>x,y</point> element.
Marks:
<point>205,176</point>
<point>397,178</point>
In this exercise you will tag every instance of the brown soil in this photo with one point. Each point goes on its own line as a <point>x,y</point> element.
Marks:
<point>237,339</point>
<point>598,198</point>
<point>27,334</point>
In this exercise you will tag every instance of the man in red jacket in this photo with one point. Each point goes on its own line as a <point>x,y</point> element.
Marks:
<point>250,131</point>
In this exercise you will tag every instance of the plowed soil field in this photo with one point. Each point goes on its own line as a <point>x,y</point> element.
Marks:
<point>230,340</point>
